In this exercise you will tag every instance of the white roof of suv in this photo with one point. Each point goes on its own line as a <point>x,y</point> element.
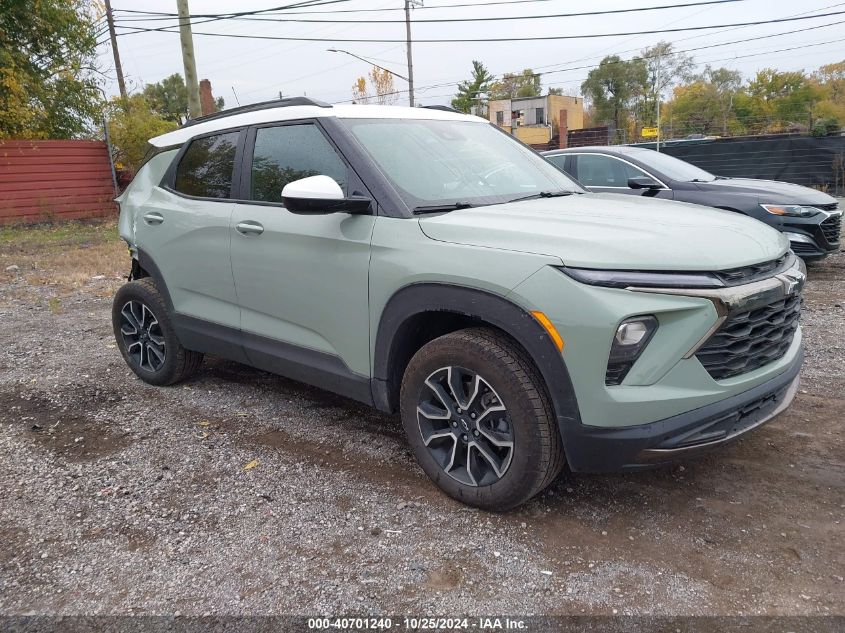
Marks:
<point>283,112</point>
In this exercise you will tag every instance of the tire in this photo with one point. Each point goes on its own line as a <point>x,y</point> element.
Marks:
<point>506,378</point>
<point>155,354</point>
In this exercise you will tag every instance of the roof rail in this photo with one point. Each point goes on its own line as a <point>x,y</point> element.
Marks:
<point>263,105</point>
<point>442,107</point>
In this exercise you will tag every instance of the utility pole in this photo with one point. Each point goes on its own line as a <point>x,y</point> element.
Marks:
<point>113,36</point>
<point>408,46</point>
<point>188,61</point>
<point>657,100</point>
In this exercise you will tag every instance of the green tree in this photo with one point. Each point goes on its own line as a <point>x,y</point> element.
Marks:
<point>473,92</point>
<point>611,88</point>
<point>48,86</point>
<point>169,98</point>
<point>132,122</point>
<point>513,86</point>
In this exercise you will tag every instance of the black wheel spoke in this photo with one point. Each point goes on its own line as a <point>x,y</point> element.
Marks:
<point>465,426</point>
<point>143,338</point>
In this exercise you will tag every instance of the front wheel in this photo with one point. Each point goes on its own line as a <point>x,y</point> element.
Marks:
<point>478,419</point>
<point>146,338</point>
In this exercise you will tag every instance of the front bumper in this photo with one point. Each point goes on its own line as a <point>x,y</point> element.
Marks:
<point>814,237</point>
<point>606,449</point>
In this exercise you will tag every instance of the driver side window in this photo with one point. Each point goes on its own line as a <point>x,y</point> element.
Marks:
<point>595,170</point>
<point>290,152</point>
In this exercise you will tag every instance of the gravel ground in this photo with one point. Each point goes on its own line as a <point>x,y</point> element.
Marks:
<point>241,492</point>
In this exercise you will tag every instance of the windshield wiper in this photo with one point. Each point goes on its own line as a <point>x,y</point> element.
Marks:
<point>701,180</point>
<point>544,194</point>
<point>441,208</point>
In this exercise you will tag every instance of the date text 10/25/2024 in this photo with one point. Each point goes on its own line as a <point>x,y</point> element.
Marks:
<point>417,624</point>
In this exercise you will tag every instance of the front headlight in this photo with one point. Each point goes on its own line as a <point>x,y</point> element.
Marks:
<point>791,210</point>
<point>639,279</point>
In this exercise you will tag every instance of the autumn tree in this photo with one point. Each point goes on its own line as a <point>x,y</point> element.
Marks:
<point>48,86</point>
<point>473,92</point>
<point>830,82</point>
<point>705,105</point>
<point>132,122</point>
<point>778,100</point>
<point>381,83</point>
<point>516,85</point>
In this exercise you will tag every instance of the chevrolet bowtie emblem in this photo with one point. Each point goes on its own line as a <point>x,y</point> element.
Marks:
<point>792,280</point>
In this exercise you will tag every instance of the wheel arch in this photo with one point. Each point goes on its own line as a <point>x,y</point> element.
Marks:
<point>421,312</point>
<point>144,266</point>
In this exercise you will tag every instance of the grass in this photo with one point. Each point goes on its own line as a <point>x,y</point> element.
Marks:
<point>63,256</point>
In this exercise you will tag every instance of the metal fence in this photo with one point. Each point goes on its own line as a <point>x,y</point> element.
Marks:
<point>47,180</point>
<point>817,162</point>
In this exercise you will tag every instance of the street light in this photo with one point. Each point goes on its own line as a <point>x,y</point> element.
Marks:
<point>364,59</point>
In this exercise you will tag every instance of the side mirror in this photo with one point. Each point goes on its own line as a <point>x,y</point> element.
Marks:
<point>321,195</point>
<point>643,182</point>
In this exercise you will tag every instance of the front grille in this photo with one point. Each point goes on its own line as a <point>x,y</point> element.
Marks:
<point>750,339</point>
<point>802,248</point>
<point>747,274</point>
<point>832,228</point>
<point>833,206</point>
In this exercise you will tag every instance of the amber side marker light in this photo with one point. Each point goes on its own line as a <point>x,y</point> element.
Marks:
<point>550,329</point>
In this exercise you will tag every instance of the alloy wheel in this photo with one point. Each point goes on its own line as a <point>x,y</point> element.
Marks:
<point>465,426</point>
<point>143,338</point>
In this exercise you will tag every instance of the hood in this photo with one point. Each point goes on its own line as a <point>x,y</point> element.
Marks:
<point>614,231</point>
<point>769,191</point>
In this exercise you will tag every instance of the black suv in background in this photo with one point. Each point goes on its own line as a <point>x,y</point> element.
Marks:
<point>810,219</point>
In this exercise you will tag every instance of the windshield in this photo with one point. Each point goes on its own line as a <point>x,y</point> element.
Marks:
<point>463,163</point>
<point>672,167</point>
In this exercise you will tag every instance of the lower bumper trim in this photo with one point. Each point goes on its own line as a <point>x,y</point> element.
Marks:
<point>613,449</point>
<point>780,401</point>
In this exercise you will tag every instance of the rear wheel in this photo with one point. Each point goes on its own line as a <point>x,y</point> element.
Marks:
<point>146,338</point>
<point>478,419</point>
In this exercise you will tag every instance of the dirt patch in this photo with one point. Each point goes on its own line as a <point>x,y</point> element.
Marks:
<point>67,432</point>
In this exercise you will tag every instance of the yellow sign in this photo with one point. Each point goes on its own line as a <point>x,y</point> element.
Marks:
<point>649,132</point>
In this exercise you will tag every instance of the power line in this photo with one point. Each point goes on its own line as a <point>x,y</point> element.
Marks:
<point>492,39</point>
<point>216,17</point>
<point>482,19</point>
<point>748,39</point>
<point>332,12</point>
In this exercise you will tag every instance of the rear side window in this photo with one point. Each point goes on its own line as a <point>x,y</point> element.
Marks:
<point>290,152</point>
<point>558,160</point>
<point>206,167</point>
<point>595,170</point>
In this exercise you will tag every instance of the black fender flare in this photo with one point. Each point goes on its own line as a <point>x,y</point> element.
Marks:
<point>486,308</point>
<point>151,268</point>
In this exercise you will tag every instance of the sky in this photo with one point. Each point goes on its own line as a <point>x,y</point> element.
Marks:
<point>246,71</point>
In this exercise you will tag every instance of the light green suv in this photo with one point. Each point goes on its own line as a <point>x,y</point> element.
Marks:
<point>426,263</point>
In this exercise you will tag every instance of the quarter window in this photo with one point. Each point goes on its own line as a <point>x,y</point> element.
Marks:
<point>602,171</point>
<point>205,169</point>
<point>290,152</point>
